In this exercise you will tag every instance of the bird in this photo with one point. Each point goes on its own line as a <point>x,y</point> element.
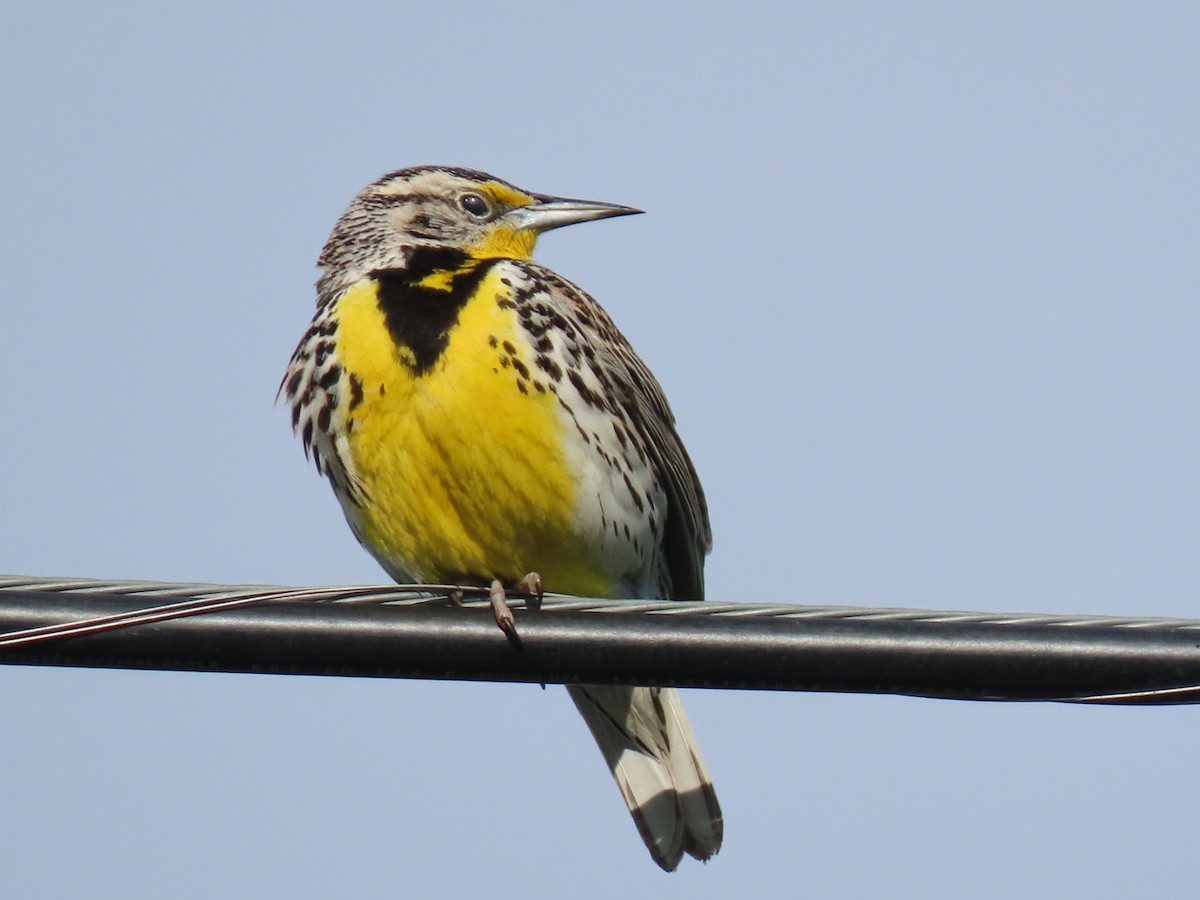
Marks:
<point>483,421</point>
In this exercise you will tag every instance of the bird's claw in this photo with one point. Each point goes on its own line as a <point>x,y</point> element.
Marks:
<point>531,586</point>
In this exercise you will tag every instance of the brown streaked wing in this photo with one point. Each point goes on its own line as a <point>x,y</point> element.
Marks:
<point>688,535</point>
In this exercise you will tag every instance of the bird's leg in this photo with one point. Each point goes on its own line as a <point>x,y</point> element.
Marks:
<point>456,598</point>
<point>531,585</point>
<point>504,616</point>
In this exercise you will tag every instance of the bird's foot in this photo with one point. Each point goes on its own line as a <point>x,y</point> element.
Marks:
<point>504,616</point>
<point>531,585</point>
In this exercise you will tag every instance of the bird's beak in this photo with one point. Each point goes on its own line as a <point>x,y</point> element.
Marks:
<point>555,212</point>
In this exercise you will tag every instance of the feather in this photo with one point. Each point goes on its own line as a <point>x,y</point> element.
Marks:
<point>647,741</point>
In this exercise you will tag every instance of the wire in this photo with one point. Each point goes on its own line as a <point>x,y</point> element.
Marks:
<point>410,631</point>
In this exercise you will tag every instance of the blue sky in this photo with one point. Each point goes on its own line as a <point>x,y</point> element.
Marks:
<point>919,279</point>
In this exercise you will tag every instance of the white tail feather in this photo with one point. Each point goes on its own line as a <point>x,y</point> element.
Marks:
<point>701,812</point>
<point>649,746</point>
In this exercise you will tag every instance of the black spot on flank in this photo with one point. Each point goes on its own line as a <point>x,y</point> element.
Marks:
<point>506,281</point>
<point>505,303</point>
<point>356,391</point>
<point>293,383</point>
<point>323,419</point>
<point>324,348</point>
<point>544,344</point>
<point>637,498</point>
<point>583,434</point>
<point>492,342</point>
<point>306,437</point>
<point>541,388</point>
<point>627,536</point>
<point>382,390</point>
<point>521,386</point>
<point>520,367</point>
<point>331,376</point>
<point>504,361</point>
<point>588,395</point>
<point>296,415</point>
<point>421,317</point>
<point>509,348</point>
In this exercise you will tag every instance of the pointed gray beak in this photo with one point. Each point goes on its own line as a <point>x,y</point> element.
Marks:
<point>555,212</point>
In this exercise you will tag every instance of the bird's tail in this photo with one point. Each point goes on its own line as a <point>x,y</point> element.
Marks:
<point>648,744</point>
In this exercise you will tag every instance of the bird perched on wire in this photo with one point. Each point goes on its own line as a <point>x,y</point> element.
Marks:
<point>483,421</point>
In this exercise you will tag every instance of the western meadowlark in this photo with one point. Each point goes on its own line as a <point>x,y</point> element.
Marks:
<point>481,419</point>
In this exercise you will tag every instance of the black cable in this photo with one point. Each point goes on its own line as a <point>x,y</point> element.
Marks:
<point>951,655</point>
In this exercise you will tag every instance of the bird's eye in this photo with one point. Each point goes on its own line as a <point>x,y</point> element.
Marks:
<point>474,204</point>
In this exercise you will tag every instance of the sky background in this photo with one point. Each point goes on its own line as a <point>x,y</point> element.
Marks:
<point>920,281</point>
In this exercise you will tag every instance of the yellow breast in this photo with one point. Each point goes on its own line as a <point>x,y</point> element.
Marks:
<point>462,463</point>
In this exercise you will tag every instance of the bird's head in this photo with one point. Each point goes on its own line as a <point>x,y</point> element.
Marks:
<point>449,208</point>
